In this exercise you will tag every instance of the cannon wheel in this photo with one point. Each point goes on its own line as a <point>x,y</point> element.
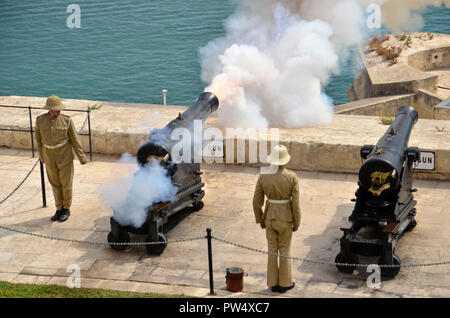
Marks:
<point>198,205</point>
<point>340,258</point>
<point>156,249</point>
<point>123,237</point>
<point>411,225</point>
<point>390,271</point>
<point>154,235</point>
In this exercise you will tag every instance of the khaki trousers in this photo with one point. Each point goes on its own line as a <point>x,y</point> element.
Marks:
<point>61,179</point>
<point>279,234</point>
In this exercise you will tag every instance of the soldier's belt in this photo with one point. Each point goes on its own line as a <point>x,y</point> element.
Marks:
<point>56,146</point>
<point>278,201</point>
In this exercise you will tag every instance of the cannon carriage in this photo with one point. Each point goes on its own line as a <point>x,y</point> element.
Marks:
<point>185,175</point>
<point>384,205</point>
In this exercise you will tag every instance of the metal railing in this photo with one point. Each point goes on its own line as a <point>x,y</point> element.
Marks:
<point>31,130</point>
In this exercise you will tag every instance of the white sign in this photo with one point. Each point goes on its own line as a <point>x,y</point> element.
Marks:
<point>425,162</point>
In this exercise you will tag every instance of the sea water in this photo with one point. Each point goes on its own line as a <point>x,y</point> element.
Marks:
<point>127,50</point>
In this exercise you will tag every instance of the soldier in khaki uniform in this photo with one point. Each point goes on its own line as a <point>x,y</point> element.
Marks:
<point>281,217</point>
<point>56,139</point>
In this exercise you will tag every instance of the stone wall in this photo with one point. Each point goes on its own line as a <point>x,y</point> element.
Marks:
<point>430,59</point>
<point>376,106</point>
<point>424,102</point>
<point>408,76</point>
<point>365,86</point>
<point>442,110</point>
<point>334,147</point>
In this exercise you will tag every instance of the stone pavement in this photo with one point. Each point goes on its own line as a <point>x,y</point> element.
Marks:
<point>183,267</point>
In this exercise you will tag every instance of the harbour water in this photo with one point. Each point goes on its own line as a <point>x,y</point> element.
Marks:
<point>125,51</point>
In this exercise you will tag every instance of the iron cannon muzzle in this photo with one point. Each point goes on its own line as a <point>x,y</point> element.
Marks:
<point>382,169</point>
<point>151,150</point>
<point>161,143</point>
<point>384,205</point>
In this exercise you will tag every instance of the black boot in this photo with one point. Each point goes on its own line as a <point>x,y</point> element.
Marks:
<point>275,289</point>
<point>285,289</point>
<point>64,215</point>
<point>56,216</point>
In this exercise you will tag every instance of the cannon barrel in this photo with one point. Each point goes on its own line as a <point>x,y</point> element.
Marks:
<point>385,205</point>
<point>385,160</point>
<point>161,144</point>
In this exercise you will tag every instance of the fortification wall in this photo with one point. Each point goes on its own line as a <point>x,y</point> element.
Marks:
<point>119,128</point>
<point>411,73</point>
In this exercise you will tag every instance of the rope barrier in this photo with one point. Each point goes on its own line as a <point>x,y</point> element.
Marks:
<point>325,262</point>
<point>20,184</point>
<point>195,239</point>
<point>54,238</point>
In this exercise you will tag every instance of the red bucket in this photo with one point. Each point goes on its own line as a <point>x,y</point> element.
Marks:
<point>235,279</point>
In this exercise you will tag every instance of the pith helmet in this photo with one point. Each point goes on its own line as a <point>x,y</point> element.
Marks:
<point>279,156</point>
<point>54,103</point>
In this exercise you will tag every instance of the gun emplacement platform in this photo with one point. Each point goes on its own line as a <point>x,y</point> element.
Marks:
<point>385,206</point>
<point>185,175</point>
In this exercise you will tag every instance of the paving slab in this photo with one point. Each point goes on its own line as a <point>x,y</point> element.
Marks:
<point>183,267</point>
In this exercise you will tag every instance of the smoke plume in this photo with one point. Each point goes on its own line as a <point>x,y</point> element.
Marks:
<point>406,15</point>
<point>131,195</point>
<point>277,56</point>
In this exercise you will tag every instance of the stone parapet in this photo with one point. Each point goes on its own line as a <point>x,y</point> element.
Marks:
<point>421,69</point>
<point>375,106</point>
<point>119,128</point>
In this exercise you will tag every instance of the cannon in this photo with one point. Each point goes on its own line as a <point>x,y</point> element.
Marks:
<point>185,175</point>
<point>384,205</point>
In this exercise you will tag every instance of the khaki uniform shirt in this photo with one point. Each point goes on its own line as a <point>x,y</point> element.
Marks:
<point>52,131</point>
<point>282,185</point>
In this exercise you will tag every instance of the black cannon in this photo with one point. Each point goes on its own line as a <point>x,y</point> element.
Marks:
<point>385,206</point>
<point>185,175</point>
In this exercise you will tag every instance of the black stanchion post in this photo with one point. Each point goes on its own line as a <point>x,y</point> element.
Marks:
<point>90,135</point>
<point>210,262</point>
<point>44,197</point>
<point>31,130</point>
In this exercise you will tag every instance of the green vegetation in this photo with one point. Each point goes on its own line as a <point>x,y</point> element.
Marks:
<point>408,41</point>
<point>8,290</point>
<point>386,120</point>
<point>386,117</point>
<point>95,106</point>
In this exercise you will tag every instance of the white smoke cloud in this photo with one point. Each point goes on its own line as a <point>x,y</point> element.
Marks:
<point>131,195</point>
<point>406,15</point>
<point>153,119</point>
<point>277,56</point>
